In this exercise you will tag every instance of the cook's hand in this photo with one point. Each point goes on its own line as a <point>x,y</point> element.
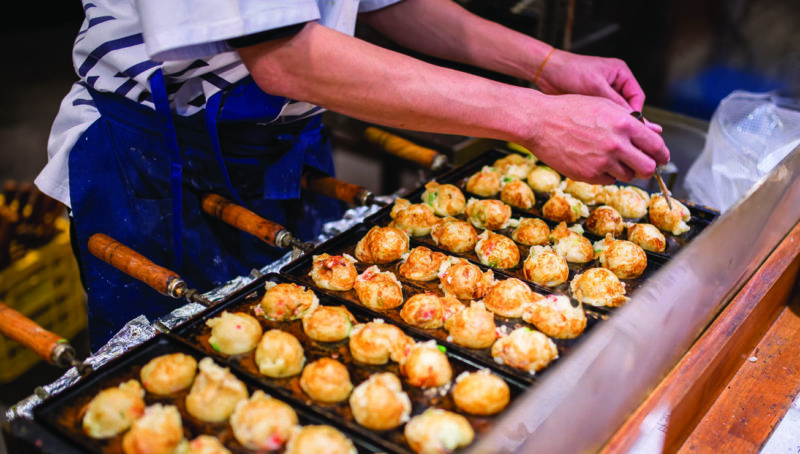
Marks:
<point>592,139</point>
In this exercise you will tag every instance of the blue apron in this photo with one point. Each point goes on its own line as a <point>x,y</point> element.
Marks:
<point>137,175</point>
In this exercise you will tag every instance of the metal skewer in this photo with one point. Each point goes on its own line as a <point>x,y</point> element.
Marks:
<point>664,191</point>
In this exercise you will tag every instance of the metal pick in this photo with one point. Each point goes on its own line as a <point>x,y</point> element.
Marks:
<point>664,191</point>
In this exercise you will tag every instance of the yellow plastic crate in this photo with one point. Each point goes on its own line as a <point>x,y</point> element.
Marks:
<point>45,286</point>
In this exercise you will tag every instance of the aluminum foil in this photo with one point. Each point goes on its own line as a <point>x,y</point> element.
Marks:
<point>141,329</point>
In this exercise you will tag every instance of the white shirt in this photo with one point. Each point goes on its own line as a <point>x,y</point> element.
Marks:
<point>122,43</point>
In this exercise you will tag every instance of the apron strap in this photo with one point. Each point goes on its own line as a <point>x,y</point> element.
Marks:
<point>212,113</point>
<point>161,101</point>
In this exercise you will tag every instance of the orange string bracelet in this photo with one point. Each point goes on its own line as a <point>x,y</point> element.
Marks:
<point>541,67</point>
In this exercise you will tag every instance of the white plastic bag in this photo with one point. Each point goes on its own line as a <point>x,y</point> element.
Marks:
<point>749,134</point>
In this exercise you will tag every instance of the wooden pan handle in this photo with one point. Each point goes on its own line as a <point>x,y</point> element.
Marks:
<point>401,147</point>
<point>244,219</point>
<point>28,333</point>
<point>331,187</point>
<point>134,264</point>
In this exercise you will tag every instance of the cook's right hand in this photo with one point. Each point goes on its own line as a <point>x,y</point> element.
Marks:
<point>595,140</point>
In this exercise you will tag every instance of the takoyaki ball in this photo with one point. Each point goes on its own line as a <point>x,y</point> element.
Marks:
<point>438,431</point>
<point>415,219</point>
<point>497,251</point>
<point>674,220</point>
<point>445,199</point>
<point>625,259</point>
<point>286,302</point>
<point>382,245</point>
<point>463,280</point>
<point>531,232</point>
<point>525,349</point>
<point>215,393</point>
<point>603,220</point>
<point>515,166</point>
<point>319,439</point>
<point>509,297</point>
<point>488,214</point>
<point>426,366</point>
<point>168,374</point>
<point>598,287</point>
<point>518,194</point>
<point>473,327</point>
<point>279,354</point>
<point>562,207</point>
<point>159,431</point>
<point>379,403</point>
<point>481,393</point>
<point>379,289</point>
<point>422,264</point>
<point>423,310</point>
<point>454,235</point>
<point>113,410</point>
<point>334,272</point>
<point>571,245</point>
<point>555,316</point>
<point>263,423</point>
<point>206,444</point>
<point>585,192</point>
<point>485,183</point>
<point>543,179</point>
<point>234,333</point>
<point>376,342</point>
<point>630,202</point>
<point>326,380</point>
<point>328,323</point>
<point>451,306</point>
<point>545,267</point>
<point>647,236</point>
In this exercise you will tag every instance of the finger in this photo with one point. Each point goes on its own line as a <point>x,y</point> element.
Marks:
<point>629,88</point>
<point>608,92</point>
<point>641,164</point>
<point>622,171</point>
<point>655,127</point>
<point>604,179</point>
<point>649,142</point>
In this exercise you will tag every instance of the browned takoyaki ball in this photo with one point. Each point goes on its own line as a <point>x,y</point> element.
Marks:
<point>319,439</point>
<point>445,199</point>
<point>334,272</point>
<point>326,380</point>
<point>562,207</point>
<point>379,403</point>
<point>472,327</point>
<point>206,444</point>
<point>598,287</point>
<point>531,232</point>
<point>604,220</point>
<point>422,264</point>
<point>263,423</point>
<point>234,333</point>
<point>286,302</point>
<point>518,194</point>
<point>509,297</point>
<point>438,431</point>
<point>328,323</point>
<point>159,431</point>
<point>525,349</point>
<point>379,289</point>
<point>376,342</point>
<point>279,354</point>
<point>605,194</point>
<point>630,202</point>
<point>497,251</point>
<point>488,214</point>
<point>674,220</point>
<point>625,259</point>
<point>113,410</point>
<point>451,306</point>
<point>415,219</point>
<point>647,236</point>
<point>543,179</point>
<point>571,245</point>
<point>555,316</point>
<point>515,166</point>
<point>454,235</point>
<point>214,393</point>
<point>481,393</point>
<point>463,280</point>
<point>485,183</point>
<point>426,366</point>
<point>545,267</point>
<point>382,245</point>
<point>168,374</point>
<point>585,192</point>
<point>423,310</point>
